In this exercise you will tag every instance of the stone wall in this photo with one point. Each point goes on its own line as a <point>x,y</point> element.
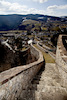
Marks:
<point>11,59</point>
<point>14,82</point>
<point>61,61</point>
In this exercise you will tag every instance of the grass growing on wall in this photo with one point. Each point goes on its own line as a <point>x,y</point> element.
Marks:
<point>47,57</point>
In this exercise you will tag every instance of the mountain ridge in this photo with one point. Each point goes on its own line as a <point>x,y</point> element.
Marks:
<point>12,21</point>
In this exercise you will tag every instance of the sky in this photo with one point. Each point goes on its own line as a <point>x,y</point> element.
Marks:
<point>45,7</point>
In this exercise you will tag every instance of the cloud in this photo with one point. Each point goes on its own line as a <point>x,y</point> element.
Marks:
<point>6,7</point>
<point>56,10</point>
<point>52,7</point>
<point>10,8</point>
<point>57,7</point>
<point>40,1</point>
<point>16,8</point>
<point>62,7</point>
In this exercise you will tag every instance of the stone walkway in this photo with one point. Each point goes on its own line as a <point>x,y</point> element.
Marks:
<point>46,85</point>
<point>49,87</point>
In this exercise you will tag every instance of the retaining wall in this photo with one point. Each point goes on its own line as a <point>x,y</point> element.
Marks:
<point>11,59</point>
<point>61,61</point>
<point>15,81</point>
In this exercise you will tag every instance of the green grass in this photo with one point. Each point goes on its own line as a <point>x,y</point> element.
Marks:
<point>30,36</point>
<point>47,57</point>
<point>23,49</point>
<point>44,28</point>
<point>30,22</point>
<point>20,31</point>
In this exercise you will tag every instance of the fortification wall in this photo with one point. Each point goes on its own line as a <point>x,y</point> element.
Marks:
<point>61,61</point>
<point>14,82</point>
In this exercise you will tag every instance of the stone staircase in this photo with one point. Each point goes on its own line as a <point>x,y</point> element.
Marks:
<point>46,85</point>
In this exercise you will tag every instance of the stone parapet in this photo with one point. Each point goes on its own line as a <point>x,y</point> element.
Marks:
<point>61,61</point>
<point>15,81</point>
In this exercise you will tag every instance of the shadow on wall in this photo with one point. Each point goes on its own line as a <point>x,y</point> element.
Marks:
<point>9,59</point>
<point>6,57</point>
<point>64,39</point>
<point>2,53</point>
<point>20,78</point>
<point>29,94</point>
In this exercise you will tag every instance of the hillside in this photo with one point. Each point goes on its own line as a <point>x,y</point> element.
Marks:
<point>9,22</point>
<point>13,22</point>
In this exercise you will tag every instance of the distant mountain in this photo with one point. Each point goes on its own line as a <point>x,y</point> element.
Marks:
<point>9,22</point>
<point>12,22</point>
